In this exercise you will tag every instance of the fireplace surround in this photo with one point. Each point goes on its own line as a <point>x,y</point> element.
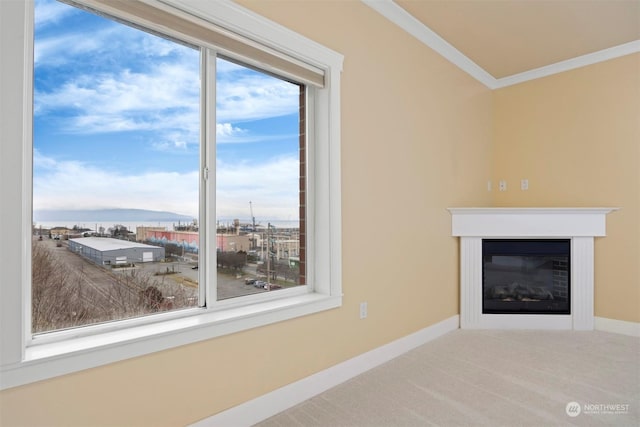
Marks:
<point>577,226</point>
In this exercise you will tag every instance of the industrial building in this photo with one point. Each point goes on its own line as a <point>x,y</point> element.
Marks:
<point>106,251</point>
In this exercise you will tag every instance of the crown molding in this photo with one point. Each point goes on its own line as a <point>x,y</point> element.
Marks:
<point>417,29</point>
<point>571,64</point>
<point>396,14</point>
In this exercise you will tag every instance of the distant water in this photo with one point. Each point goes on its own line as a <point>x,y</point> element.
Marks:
<point>95,226</point>
<point>109,215</point>
<point>131,225</point>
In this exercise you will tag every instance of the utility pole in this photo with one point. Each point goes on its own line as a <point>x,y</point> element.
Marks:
<point>272,272</point>
<point>268,253</point>
<point>253,229</point>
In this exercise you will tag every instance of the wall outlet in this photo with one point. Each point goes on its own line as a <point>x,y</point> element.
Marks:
<point>503,185</point>
<point>363,310</point>
<point>524,184</point>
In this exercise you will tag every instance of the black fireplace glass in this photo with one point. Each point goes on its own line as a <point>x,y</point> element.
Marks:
<point>526,276</point>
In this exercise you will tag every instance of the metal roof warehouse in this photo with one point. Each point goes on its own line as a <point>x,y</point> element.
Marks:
<point>107,251</point>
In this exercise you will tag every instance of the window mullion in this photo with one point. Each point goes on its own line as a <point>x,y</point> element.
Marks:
<point>207,252</point>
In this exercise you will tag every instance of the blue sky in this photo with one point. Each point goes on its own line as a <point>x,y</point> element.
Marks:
<point>116,123</point>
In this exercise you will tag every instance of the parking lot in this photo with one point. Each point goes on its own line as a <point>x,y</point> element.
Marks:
<point>229,285</point>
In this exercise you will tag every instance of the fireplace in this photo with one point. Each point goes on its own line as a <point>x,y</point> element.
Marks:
<point>526,276</point>
<point>527,268</point>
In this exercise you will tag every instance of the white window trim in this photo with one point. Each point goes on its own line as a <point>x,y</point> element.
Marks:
<point>23,361</point>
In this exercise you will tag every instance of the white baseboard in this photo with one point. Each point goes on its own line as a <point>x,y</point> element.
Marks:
<point>618,326</point>
<point>270,404</point>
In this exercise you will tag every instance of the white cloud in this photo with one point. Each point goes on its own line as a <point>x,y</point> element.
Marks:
<point>58,50</point>
<point>227,133</point>
<point>167,98</point>
<point>51,12</point>
<point>108,42</point>
<point>255,97</point>
<point>154,84</point>
<point>225,130</point>
<point>115,79</point>
<point>77,185</point>
<point>174,141</point>
<point>167,87</point>
<point>272,186</point>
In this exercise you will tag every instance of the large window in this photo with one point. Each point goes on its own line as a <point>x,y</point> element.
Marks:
<point>117,156</point>
<point>178,179</point>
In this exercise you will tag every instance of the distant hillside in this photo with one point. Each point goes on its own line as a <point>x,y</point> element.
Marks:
<point>108,215</point>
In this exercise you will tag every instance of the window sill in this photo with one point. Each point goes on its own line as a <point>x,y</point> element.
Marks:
<point>50,359</point>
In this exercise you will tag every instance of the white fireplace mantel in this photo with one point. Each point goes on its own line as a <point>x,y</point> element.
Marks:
<point>580,225</point>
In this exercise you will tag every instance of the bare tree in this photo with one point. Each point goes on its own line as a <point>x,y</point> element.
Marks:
<point>57,297</point>
<point>64,297</point>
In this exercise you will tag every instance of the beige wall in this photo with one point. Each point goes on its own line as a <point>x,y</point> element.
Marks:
<point>576,137</point>
<point>418,135</point>
<point>416,139</point>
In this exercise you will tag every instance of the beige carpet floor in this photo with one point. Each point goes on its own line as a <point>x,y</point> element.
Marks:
<point>490,378</point>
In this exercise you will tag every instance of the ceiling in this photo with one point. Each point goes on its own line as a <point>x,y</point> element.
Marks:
<point>509,37</point>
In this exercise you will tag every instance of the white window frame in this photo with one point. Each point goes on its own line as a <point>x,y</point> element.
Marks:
<point>25,360</point>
